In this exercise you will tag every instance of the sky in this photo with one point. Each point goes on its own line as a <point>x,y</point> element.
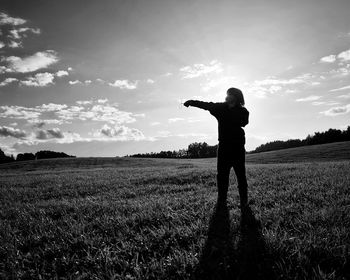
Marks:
<point>108,78</point>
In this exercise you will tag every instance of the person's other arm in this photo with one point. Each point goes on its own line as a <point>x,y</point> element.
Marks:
<point>245,118</point>
<point>241,117</point>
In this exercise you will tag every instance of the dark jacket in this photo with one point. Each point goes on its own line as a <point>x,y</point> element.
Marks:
<point>230,120</point>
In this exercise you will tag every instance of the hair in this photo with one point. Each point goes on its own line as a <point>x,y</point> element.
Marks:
<point>238,94</point>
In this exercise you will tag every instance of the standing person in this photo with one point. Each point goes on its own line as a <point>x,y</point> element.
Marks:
<point>231,116</point>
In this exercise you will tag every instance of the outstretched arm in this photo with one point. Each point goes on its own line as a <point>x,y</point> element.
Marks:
<point>200,104</point>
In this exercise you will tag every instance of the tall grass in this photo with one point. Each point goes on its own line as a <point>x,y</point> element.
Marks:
<point>158,219</point>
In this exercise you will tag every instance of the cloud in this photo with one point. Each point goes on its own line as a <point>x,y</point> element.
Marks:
<point>6,131</point>
<point>8,81</point>
<point>166,133</point>
<point>185,135</point>
<point>198,69</point>
<point>44,134</point>
<point>344,95</point>
<point>52,107</point>
<point>124,84</point>
<point>274,89</point>
<point>77,82</point>
<point>317,103</point>
<point>17,34</point>
<point>32,115</point>
<point>70,137</point>
<point>172,120</point>
<point>6,19</point>
<point>150,81</point>
<point>328,59</point>
<point>192,120</point>
<point>61,113</point>
<point>74,82</point>
<point>102,101</point>
<point>142,115</point>
<point>263,91</point>
<point>271,85</point>
<point>84,102</point>
<point>163,134</point>
<point>33,30</point>
<point>345,55</point>
<point>39,123</point>
<point>4,69</point>
<point>309,98</point>
<point>154,123</point>
<point>100,80</point>
<point>105,134</point>
<point>339,89</point>
<point>89,110</point>
<point>14,44</point>
<point>342,71</point>
<point>62,73</point>
<point>50,135</point>
<point>166,74</point>
<point>335,111</point>
<point>121,133</point>
<point>2,45</point>
<point>270,81</point>
<point>19,112</point>
<point>329,103</point>
<point>106,113</point>
<point>215,82</point>
<point>39,80</point>
<point>31,63</point>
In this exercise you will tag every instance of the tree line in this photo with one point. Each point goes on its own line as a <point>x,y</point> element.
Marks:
<point>203,150</point>
<point>30,156</point>
<point>329,136</point>
<point>194,150</point>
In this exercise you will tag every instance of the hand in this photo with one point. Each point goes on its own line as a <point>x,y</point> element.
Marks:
<point>188,103</point>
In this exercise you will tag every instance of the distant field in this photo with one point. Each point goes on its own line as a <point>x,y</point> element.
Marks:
<point>128,218</point>
<point>324,152</point>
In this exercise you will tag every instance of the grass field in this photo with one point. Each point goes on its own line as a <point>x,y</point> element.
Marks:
<point>128,218</point>
<point>324,152</point>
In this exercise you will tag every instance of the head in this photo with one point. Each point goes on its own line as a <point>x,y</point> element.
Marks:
<point>234,97</point>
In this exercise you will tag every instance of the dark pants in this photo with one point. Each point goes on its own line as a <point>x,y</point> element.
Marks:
<point>231,156</point>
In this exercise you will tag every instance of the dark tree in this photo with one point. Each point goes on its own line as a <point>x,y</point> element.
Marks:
<point>51,154</point>
<point>4,158</point>
<point>195,150</point>
<point>25,156</point>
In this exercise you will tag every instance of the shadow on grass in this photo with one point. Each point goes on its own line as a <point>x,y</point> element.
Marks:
<point>234,253</point>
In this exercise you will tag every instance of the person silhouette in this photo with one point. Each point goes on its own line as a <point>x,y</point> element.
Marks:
<point>231,116</point>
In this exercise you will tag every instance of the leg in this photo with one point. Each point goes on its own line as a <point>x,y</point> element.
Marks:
<point>223,178</point>
<point>239,168</point>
